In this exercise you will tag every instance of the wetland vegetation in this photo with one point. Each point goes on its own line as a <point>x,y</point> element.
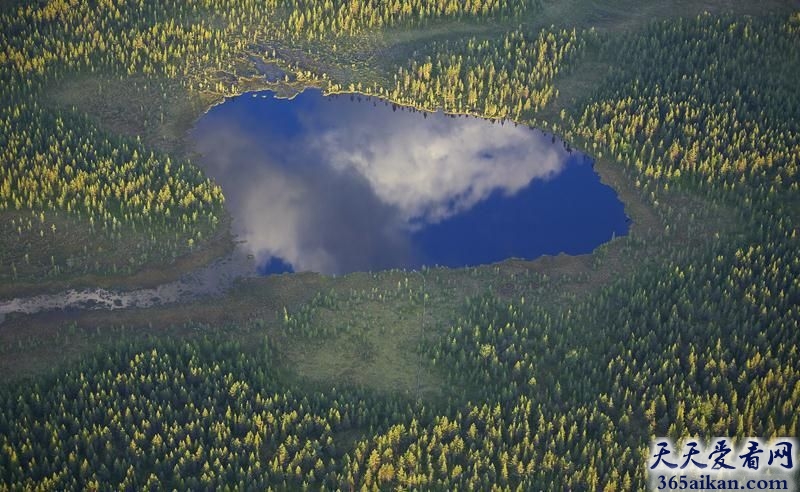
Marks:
<point>547,374</point>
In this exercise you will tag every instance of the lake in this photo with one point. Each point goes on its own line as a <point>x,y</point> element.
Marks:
<point>336,184</point>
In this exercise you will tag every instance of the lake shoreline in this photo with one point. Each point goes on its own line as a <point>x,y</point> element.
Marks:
<point>224,244</point>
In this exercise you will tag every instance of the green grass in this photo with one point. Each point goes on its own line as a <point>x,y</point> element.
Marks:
<point>46,260</point>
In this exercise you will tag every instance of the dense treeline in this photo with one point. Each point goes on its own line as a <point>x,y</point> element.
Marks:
<point>57,161</point>
<point>577,395</point>
<point>199,415</point>
<point>707,106</point>
<point>507,78</point>
<point>316,19</point>
<point>569,399</point>
<point>66,165</point>
<point>700,107</point>
<point>503,78</point>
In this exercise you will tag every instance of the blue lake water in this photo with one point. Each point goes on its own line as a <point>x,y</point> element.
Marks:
<point>336,184</point>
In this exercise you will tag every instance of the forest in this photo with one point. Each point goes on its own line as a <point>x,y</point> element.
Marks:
<point>687,327</point>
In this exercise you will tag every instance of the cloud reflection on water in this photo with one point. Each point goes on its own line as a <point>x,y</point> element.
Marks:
<point>342,186</point>
<point>434,168</point>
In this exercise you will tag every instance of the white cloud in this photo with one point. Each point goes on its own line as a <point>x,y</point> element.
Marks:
<point>343,194</point>
<point>432,169</point>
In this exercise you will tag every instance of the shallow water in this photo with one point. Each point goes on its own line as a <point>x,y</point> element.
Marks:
<point>212,280</point>
<point>349,183</point>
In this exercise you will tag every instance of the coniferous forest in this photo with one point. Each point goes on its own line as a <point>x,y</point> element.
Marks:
<point>552,374</point>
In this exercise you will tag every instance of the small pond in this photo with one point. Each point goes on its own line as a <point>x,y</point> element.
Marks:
<point>336,184</point>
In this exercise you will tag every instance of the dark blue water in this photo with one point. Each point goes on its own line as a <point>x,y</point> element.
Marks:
<point>341,184</point>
